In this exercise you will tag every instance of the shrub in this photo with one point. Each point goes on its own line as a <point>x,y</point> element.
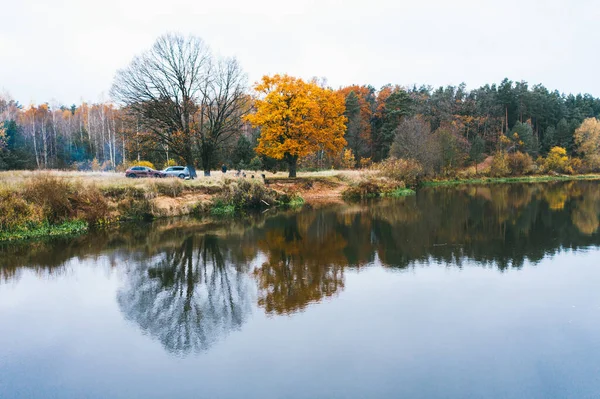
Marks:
<point>557,161</point>
<point>170,162</point>
<point>348,160</point>
<point>52,195</point>
<point>519,163</point>
<point>255,164</point>
<point>500,165</point>
<point>147,164</point>
<point>170,187</point>
<point>364,189</point>
<point>95,165</point>
<point>136,209</point>
<point>246,194</point>
<point>402,170</point>
<point>577,165</point>
<point>89,204</point>
<point>106,166</point>
<point>365,162</point>
<point>374,188</point>
<point>16,212</point>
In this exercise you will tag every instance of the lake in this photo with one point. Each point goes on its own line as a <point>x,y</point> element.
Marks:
<point>456,292</point>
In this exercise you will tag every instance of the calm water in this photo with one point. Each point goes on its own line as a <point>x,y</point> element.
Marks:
<point>469,292</point>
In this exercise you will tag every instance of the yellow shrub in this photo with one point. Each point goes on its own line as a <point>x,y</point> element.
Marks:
<point>576,165</point>
<point>520,163</point>
<point>500,166</point>
<point>408,171</point>
<point>557,161</point>
<point>147,164</point>
<point>348,160</point>
<point>365,162</point>
<point>170,162</point>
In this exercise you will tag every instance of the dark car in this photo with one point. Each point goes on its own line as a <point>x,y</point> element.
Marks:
<point>144,171</point>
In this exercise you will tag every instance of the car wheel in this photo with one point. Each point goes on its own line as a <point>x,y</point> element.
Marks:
<point>181,176</point>
<point>156,175</point>
<point>132,175</point>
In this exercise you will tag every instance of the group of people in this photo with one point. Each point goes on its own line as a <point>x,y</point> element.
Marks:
<point>239,173</point>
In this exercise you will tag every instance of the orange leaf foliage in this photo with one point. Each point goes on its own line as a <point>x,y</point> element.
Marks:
<point>297,118</point>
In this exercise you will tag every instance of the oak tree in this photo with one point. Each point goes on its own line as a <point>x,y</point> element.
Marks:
<point>297,118</point>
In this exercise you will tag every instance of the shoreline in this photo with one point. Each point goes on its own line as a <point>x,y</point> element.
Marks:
<point>152,199</point>
<point>508,180</point>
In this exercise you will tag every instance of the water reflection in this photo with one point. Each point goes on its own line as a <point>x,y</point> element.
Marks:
<point>305,261</point>
<point>189,283</point>
<point>188,296</point>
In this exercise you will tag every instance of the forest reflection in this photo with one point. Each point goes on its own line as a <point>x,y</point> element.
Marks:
<point>187,284</point>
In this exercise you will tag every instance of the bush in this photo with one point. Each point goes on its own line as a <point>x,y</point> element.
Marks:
<point>246,194</point>
<point>170,162</point>
<point>16,212</point>
<point>407,171</point>
<point>373,188</point>
<point>557,161</point>
<point>519,163</point>
<point>348,160</point>
<point>52,195</point>
<point>95,165</point>
<point>135,209</point>
<point>364,189</point>
<point>577,165</point>
<point>48,199</point>
<point>147,164</point>
<point>500,165</point>
<point>90,205</point>
<point>170,187</point>
<point>255,164</point>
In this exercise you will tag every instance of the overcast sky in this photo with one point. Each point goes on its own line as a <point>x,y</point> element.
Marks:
<point>69,50</point>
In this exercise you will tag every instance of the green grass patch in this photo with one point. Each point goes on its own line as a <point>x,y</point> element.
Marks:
<point>220,208</point>
<point>44,230</point>
<point>400,192</point>
<point>296,201</point>
<point>519,179</point>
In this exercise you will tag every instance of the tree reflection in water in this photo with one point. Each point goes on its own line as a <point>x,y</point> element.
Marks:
<point>305,262</point>
<point>188,284</point>
<point>189,296</point>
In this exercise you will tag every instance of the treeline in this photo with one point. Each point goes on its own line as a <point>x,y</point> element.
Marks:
<point>444,129</point>
<point>405,122</point>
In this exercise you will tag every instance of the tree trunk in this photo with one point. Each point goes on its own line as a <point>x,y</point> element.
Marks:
<point>192,169</point>
<point>292,164</point>
<point>207,154</point>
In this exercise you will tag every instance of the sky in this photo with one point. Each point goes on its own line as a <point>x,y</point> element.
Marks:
<point>67,51</point>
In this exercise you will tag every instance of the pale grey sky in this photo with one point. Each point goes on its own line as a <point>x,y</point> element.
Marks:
<point>69,50</point>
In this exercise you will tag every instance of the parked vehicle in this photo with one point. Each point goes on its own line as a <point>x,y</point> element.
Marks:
<point>179,171</point>
<point>144,171</point>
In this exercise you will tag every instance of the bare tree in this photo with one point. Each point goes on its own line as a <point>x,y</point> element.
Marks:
<point>224,103</point>
<point>413,140</point>
<point>185,98</point>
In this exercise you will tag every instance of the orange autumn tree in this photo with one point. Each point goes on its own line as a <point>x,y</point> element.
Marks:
<point>297,118</point>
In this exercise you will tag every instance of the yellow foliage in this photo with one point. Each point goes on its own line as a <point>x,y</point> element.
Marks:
<point>297,118</point>
<point>500,164</point>
<point>557,160</point>
<point>587,142</point>
<point>170,162</point>
<point>95,165</point>
<point>365,162</point>
<point>2,137</point>
<point>348,160</point>
<point>147,164</point>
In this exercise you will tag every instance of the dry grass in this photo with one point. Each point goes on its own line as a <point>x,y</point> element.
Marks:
<point>108,179</point>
